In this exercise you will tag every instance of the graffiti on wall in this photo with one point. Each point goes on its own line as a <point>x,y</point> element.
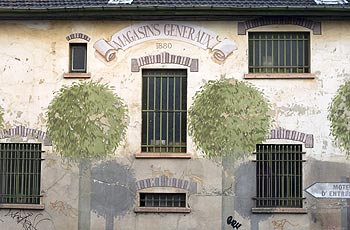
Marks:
<point>280,224</point>
<point>28,220</point>
<point>234,223</point>
<point>236,117</point>
<point>63,208</point>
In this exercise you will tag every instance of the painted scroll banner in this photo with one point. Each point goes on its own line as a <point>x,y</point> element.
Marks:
<point>142,32</point>
<point>223,49</point>
<point>105,49</point>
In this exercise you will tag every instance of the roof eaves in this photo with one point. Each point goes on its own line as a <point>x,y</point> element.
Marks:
<point>210,10</point>
<point>161,7</point>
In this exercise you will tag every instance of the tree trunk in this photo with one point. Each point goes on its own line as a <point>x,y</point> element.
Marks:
<point>227,190</point>
<point>110,222</point>
<point>84,205</point>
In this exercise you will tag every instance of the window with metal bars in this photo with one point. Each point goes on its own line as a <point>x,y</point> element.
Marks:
<point>164,110</point>
<point>163,200</point>
<point>279,52</point>
<point>78,57</point>
<point>279,175</point>
<point>20,170</point>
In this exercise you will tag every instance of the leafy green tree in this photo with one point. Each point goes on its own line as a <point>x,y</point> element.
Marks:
<point>339,115</point>
<point>1,117</point>
<point>86,122</point>
<point>227,119</point>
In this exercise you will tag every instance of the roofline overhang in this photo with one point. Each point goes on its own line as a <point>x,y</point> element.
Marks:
<point>173,12</point>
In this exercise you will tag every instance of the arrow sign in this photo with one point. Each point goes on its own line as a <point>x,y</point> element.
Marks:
<point>329,190</point>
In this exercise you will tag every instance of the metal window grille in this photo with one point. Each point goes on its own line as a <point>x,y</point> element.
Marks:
<point>162,199</point>
<point>279,52</point>
<point>78,57</point>
<point>164,110</point>
<point>20,169</point>
<point>279,175</point>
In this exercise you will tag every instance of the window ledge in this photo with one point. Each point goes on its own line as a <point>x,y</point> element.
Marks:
<point>280,210</point>
<point>22,206</point>
<point>163,155</point>
<point>162,210</point>
<point>77,75</point>
<point>279,76</point>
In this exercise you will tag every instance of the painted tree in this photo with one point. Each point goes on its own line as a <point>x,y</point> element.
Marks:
<point>228,118</point>
<point>339,115</point>
<point>113,191</point>
<point>226,121</point>
<point>1,117</point>
<point>86,122</point>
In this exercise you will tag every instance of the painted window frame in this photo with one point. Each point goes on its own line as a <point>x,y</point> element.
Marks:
<point>279,178</point>
<point>21,169</point>
<point>169,200</point>
<point>175,113</point>
<point>162,209</point>
<point>279,54</point>
<point>73,58</point>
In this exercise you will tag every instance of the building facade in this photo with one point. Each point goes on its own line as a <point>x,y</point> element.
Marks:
<point>287,64</point>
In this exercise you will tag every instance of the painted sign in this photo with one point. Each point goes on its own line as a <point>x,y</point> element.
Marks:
<point>142,32</point>
<point>329,190</point>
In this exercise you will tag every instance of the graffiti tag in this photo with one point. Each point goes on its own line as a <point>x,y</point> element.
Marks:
<point>63,208</point>
<point>28,220</point>
<point>234,223</point>
<point>279,224</point>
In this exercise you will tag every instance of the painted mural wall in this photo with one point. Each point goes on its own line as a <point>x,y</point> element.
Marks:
<point>34,57</point>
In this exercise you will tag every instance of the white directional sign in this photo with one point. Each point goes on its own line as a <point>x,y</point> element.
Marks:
<point>329,190</point>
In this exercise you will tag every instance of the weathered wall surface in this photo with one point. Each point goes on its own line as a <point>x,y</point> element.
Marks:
<point>34,55</point>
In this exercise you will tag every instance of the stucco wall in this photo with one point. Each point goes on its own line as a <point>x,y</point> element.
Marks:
<point>34,55</point>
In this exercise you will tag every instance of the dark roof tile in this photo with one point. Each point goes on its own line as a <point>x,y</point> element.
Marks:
<point>215,3</point>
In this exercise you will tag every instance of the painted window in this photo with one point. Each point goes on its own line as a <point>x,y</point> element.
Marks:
<point>279,52</point>
<point>163,200</point>
<point>279,175</point>
<point>20,173</point>
<point>78,57</point>
<point>164,110</point>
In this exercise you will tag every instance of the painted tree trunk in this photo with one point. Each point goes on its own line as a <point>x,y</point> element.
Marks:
<point>84,205</point>
<point>110,222</point>
<point>227,190</point>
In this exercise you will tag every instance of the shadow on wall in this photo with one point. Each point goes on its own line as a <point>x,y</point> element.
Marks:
<point>323,213</point>
<point>245,190</point>
<point>113,191</point>
<point>326,213</point>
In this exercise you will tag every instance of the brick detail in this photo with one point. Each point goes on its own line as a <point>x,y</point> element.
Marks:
<point>165,181</point>
<point>78,35</point>
<point>280,133</point>
<point>164,58</point>
<point>246,25</point>
<point>22,131</point>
